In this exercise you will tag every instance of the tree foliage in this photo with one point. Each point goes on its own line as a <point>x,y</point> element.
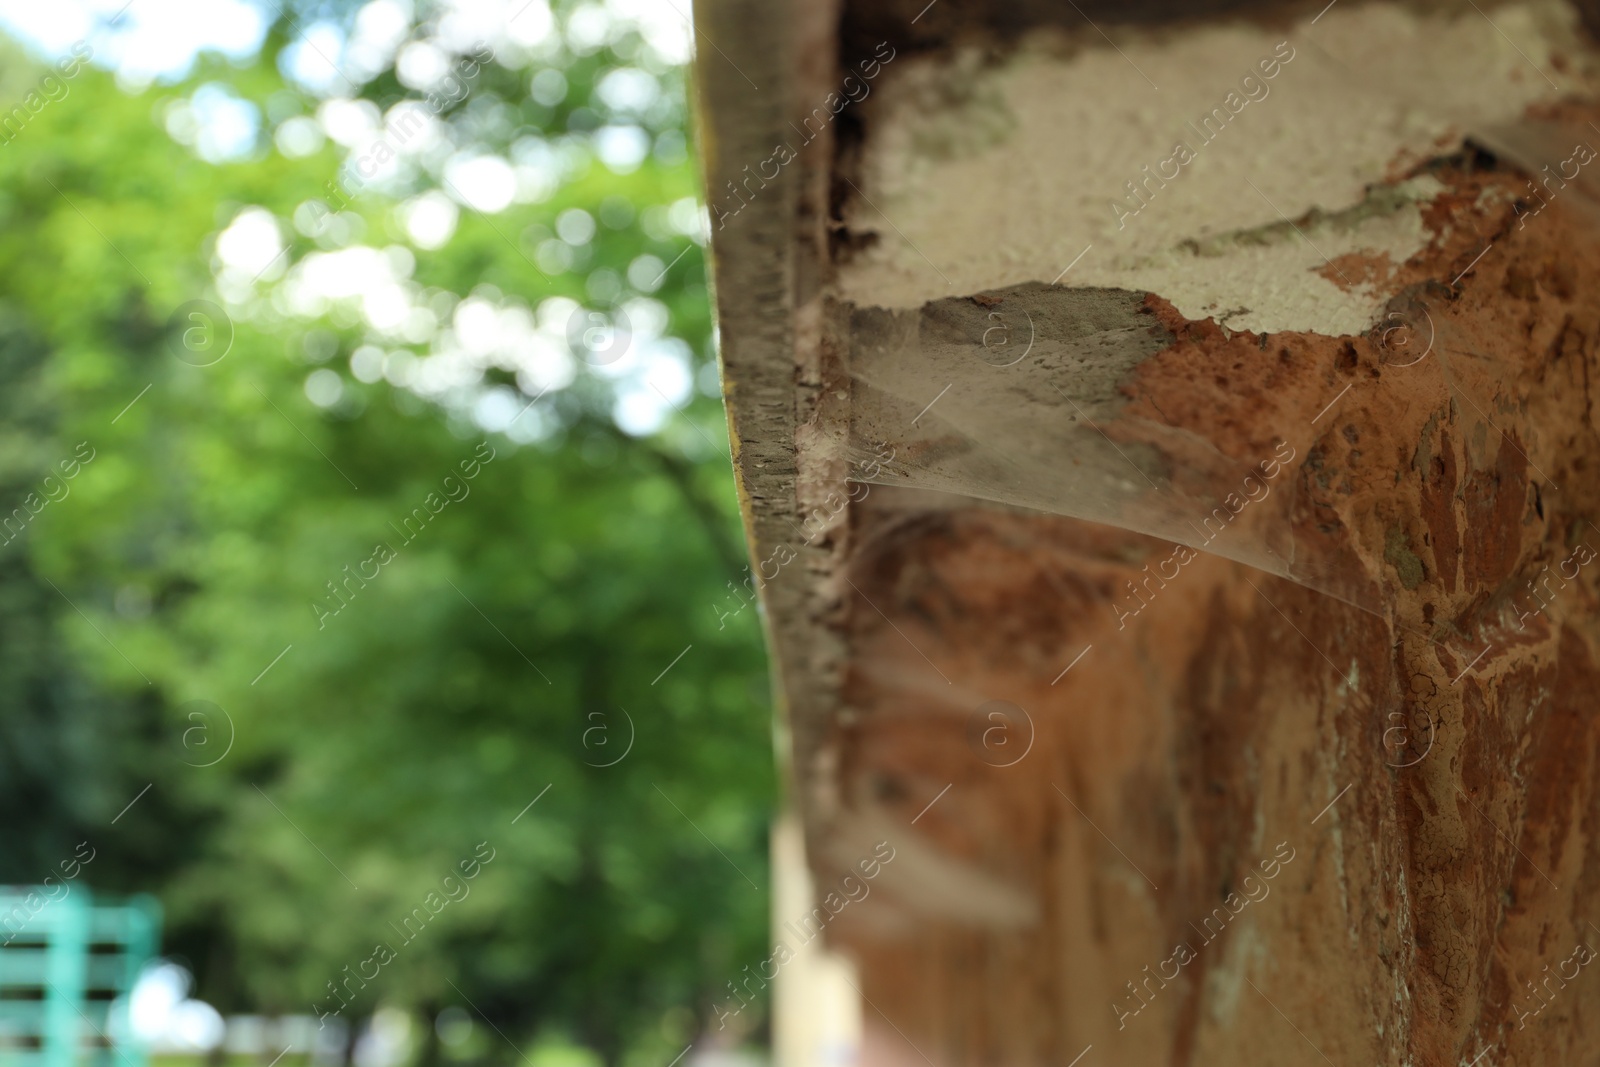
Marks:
<point>199,613</point>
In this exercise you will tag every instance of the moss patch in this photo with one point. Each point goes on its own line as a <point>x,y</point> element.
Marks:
<point>1397,553</point>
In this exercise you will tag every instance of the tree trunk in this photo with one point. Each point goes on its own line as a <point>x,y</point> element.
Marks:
<point>1169,452</point>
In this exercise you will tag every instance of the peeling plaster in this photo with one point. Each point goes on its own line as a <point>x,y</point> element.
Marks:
<point>980,173</point>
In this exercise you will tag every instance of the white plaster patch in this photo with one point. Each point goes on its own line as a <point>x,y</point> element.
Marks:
<point>983,177</point>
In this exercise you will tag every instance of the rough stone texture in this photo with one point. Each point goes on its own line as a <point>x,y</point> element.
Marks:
<point>1338,744</point>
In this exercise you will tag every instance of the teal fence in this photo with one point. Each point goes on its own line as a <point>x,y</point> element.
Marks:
<point>64,963</point>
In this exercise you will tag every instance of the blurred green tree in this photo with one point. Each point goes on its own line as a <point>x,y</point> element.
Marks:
<point>343,665</point>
